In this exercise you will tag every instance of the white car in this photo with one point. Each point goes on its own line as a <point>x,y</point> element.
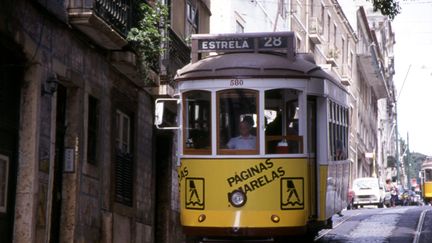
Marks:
<point>368,191</point>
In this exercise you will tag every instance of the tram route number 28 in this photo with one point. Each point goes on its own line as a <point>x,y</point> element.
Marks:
<point>273,42</point>
<point>236,82</point>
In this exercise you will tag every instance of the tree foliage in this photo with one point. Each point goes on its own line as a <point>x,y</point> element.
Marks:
<point>389,8</point>
<point>147,36</point>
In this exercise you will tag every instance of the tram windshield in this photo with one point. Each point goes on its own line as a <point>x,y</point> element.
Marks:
<point>237,121</point>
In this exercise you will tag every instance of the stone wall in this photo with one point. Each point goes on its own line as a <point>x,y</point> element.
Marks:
<point>88,212</point>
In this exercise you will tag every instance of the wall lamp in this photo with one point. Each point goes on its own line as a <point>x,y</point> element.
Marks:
<point>50,85</point>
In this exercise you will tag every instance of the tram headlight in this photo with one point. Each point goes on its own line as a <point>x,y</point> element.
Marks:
<point>237,198</point>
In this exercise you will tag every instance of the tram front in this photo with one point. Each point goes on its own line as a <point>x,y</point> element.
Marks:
<point>255,149</point>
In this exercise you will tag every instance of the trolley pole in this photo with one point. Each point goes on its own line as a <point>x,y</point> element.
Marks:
<point>397,146</point>
<point>397,131</point>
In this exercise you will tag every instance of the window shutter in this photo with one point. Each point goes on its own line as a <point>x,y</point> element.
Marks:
<point>124,178</point>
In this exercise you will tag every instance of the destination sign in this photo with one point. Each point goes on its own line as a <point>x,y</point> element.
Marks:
<point>243,43</point>
<point>230,44</point>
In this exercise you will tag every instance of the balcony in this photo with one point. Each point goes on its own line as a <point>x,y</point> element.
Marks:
<point>332,54</point>
<point>106,22</point>
<point>315,30</point>
<point>371,68</point>
<point>345,74</point>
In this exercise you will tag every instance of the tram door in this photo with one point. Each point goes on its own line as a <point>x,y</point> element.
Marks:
<point>312,145</point>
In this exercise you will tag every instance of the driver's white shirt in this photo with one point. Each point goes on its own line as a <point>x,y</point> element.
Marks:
<point>241,142</point>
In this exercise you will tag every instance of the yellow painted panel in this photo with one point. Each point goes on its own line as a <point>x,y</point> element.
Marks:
<point>243,218</point>
<point>273,186</point>
<point>427,189</point>
<point>323,170</point>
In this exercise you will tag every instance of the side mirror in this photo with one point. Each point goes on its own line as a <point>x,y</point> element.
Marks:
<point>162,118</point>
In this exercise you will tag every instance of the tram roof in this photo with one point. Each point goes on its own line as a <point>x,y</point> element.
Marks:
<point>253,65</point>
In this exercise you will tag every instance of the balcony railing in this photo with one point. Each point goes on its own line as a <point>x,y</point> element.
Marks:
<point>117,13</point>
<point>106,22</point>
<point>178,54</point>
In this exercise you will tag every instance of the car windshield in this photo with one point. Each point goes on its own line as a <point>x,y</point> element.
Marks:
<point>366,184</point>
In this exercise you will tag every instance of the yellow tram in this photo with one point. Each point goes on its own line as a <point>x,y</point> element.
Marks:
<point>262,142</point>
<point>426,180</point>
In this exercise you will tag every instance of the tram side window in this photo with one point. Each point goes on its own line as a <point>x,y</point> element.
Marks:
<point>197,122</point>
<point>338,131</point>
<point>237,121</point>
<point>281,116</point>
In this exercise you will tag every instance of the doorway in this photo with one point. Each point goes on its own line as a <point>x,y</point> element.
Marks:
<point>58,164</point>
<point>11,76</point>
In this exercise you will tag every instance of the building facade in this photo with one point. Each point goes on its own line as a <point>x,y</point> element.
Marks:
<point>238,16</point>
<point>78,156</point>
<point>187,17</point>
<point>376,62</point>
<point>323,29</point>
<point>359,52</point>
<point>356,47</point>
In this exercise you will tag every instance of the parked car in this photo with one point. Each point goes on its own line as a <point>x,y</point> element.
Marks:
<point>368,191</point>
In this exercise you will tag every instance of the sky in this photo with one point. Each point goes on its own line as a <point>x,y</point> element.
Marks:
<point>413,77</point>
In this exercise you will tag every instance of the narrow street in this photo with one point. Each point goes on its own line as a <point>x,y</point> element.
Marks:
<point>395,225</point>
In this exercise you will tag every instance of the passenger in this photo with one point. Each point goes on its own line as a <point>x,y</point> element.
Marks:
<point>340,151</point>
<point>246,140</point>
<point>391,187</point>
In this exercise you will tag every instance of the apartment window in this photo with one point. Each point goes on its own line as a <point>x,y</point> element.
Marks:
<point>328,28</point>
<point>92,129</point>
<point>350,59</point>
<point>239,27</point>
<point>334,35</point>
<point>343,50</point>
<point>312,8</point>
<point>123,132</point>
<point>123,159</point>
<point>192,18</point>
<point>322,17</point>
<point>282,9</point>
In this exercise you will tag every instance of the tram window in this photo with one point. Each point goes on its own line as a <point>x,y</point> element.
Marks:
<point>282,121</point>
<point>197,122</point>
<point>237,121</point>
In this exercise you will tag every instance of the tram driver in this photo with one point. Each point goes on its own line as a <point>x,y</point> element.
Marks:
<point>245,140</point>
